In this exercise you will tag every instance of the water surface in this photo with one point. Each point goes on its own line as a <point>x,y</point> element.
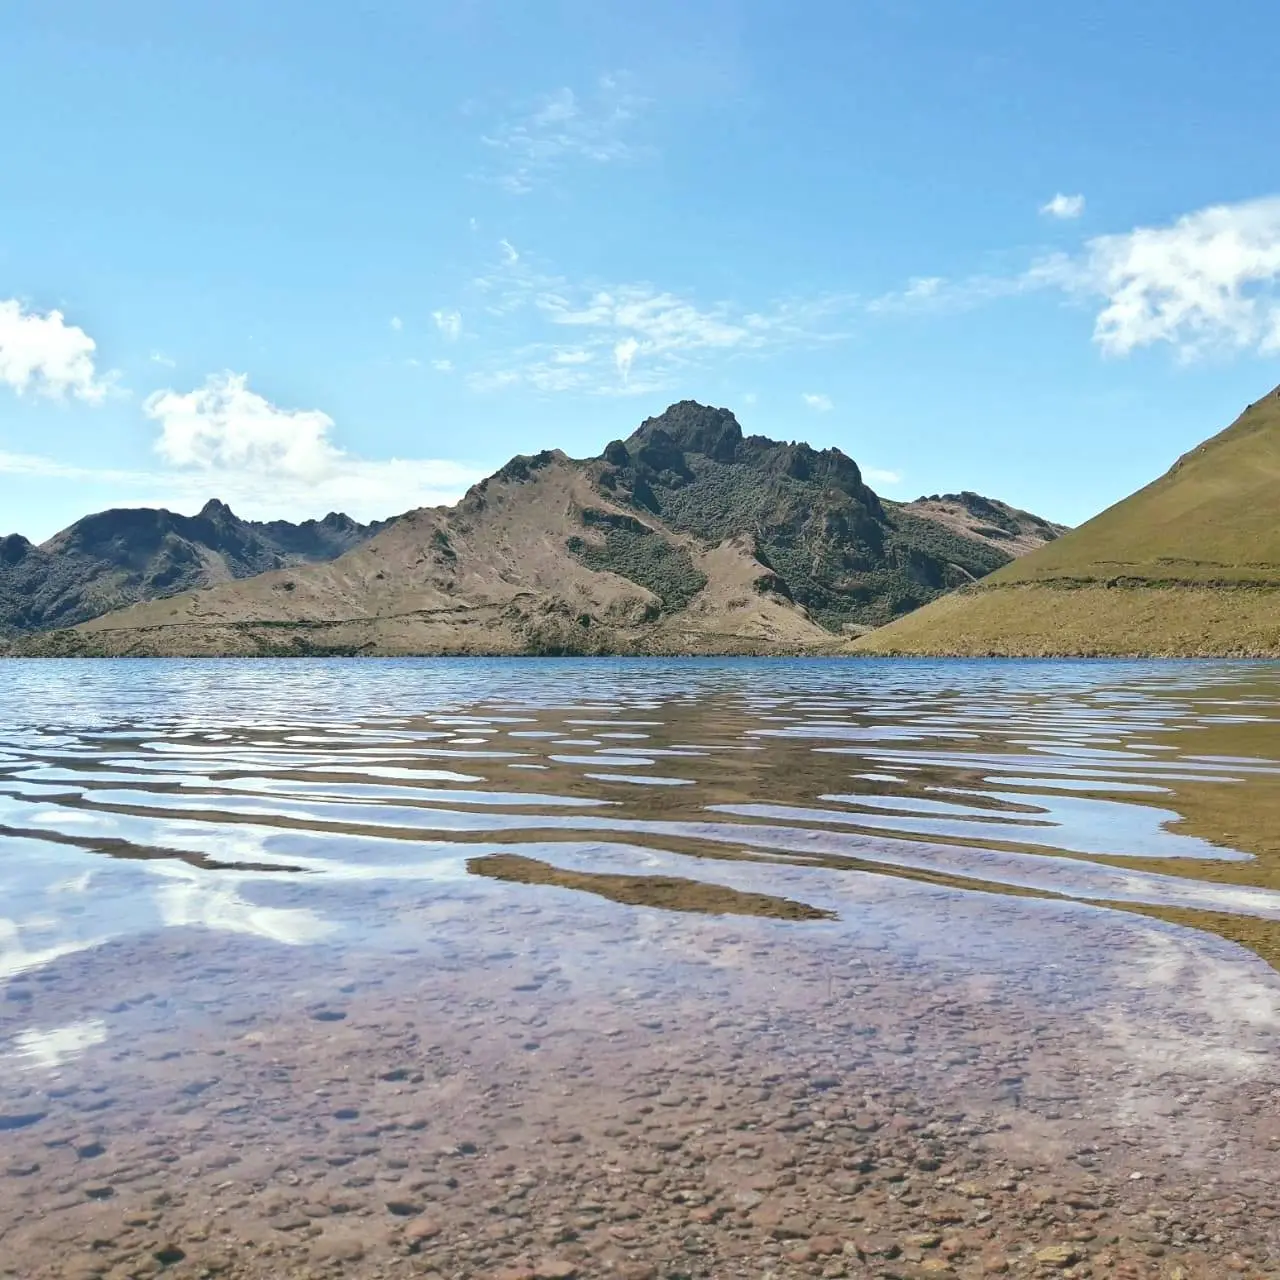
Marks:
<point>1002,890</point>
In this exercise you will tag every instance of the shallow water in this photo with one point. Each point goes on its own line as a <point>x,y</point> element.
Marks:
<point>890,875</point>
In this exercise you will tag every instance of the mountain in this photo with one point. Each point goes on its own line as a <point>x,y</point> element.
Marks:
<point>987,521</point>
<point>115,558</point>
<point>1188,566</point>
<point>688,537</point>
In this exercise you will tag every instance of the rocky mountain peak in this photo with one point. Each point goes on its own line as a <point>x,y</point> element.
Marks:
<point>690,427</point>
<point>338,520</point>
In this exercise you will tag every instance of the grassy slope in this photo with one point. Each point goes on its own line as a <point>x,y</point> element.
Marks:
<point>1189,565</point>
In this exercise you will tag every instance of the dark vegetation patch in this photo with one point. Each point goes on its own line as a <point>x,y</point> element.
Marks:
<point>832,545</point>
<point>634,551</point>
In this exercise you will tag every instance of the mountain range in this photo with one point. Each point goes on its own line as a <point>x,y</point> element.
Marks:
<point>687,537</point>
<point>1188,566</point>
<point>116,558</point>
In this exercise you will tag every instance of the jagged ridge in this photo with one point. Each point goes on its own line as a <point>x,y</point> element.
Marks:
<point>115,558</point>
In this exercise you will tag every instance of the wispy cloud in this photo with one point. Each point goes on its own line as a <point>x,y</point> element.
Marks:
<point>1065,207</point>
<point>159,357</point>
<point>627,339</point>
<point>495,379</point>
<point>39,467</point>
<point>1207,282</point>
<point>541,367</point>
<point>365,489</point>
<point>42,354</point>
<point>442,366</point>
<point>624,354</point>
<point>562,128</point>
<point>929,295</point>
<point>818,402</point>
<point>658,322</point>
<point>877,475</point>
<point>449,323</point>
<point>396,323</point>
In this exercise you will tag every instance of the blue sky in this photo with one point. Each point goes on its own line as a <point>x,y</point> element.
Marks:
<point>307,256</point>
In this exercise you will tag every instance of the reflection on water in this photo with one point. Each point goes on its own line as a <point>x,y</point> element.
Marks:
<point>962,827</point>
<point>827,762</point>
<point>824,762</point>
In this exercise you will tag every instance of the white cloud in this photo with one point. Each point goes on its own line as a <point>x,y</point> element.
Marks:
<point>538,369</point>
<point>364,489</point>
<point>1210,280</point>
<point>877,475</point>
<point>1061,206</point>
<point>224,424</point>
<point>159,357</point>
<point>563,127</point>
<point>638,325</point>
<point>442,366</point>
<point>41,353</point>
<point>224,439</point>
<point>396,323</point>
<point>818,402</point>
<point>449,323</point>
<point>510,254</point>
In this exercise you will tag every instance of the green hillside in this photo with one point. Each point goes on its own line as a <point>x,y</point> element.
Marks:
<point>1188,565</point>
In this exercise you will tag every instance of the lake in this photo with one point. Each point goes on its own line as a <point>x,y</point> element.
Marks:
<point>536,969</point>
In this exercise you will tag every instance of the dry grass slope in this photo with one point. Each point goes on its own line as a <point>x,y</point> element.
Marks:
<point>1188,566</point>
<point>494,575</point>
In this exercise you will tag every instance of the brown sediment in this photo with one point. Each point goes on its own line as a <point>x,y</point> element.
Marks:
<point>670,893</point>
